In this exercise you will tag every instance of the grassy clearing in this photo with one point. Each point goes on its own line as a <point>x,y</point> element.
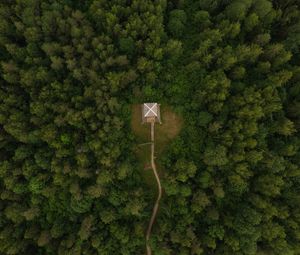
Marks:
<point>164,133</point>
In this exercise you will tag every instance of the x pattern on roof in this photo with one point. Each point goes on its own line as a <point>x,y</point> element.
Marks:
<point>150,109</point>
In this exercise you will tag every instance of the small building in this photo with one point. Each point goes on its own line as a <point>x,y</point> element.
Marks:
<point>151,112</point>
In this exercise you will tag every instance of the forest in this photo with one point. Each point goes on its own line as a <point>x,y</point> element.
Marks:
<point>70,181</point>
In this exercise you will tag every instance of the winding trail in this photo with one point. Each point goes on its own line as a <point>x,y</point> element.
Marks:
<point>156,205</point>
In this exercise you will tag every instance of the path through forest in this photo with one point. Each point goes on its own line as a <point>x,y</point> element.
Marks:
<point>156,205</point>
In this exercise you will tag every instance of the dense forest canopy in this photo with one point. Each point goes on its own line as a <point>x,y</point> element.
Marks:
<point>69,178</point>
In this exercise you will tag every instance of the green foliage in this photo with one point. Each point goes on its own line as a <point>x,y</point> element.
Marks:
<point>80,206</point>
<point>204,118</point>
<point>237,10</point>
<point>36,184</point>
<point>177,22</point>
<point>202,19</point>
<point>127,46</point>
<point>69,177</point>
<point>215,156</point>
<point>234,87</point>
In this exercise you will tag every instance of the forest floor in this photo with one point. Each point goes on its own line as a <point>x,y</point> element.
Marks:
<point>159,190</point>
<point>164,133</point>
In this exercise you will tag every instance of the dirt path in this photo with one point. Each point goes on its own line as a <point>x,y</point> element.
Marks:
<point>156,205</point>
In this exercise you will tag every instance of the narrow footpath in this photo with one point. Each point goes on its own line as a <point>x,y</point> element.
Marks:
<point>156,205</point>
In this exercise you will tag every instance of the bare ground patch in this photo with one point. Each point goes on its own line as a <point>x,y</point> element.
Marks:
<point>164,133</point>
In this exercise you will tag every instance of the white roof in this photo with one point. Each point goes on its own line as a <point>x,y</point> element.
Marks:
<point>150,110</point>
